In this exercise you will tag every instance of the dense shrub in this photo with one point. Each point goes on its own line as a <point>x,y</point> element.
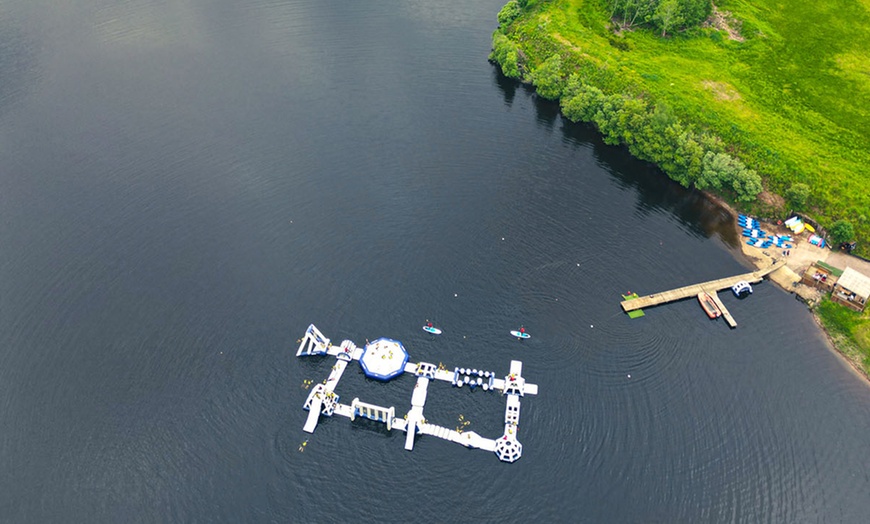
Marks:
<point>798,195</point>
<point>549,79</point>
<point>651,133</point>
<point>695,11</point>
<point>663,15</point>
<point>505,53</point>
<point>509,13</point>
<point>842,231</point>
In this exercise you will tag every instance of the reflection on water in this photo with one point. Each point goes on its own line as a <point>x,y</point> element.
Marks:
<point>696,212</point>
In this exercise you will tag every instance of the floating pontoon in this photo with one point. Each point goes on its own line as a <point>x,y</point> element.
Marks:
<point>385,359</point>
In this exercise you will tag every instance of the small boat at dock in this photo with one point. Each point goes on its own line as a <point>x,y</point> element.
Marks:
<point>741,289</point>
<point>709,305</point>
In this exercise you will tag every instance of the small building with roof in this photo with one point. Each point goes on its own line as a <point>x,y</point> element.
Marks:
<point>852,289</point>
<point>821,276</point>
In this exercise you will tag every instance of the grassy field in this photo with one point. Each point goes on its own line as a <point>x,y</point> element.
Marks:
<point>849,330</point>
<point>785,84</point>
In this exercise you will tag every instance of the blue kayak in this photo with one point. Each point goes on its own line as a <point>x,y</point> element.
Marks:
<point>754,233</point>
<point>433,330</point>
<point>520,335</point>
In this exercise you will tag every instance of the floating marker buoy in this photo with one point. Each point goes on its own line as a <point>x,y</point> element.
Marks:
<point>455,295</point>
<point>629,376</point>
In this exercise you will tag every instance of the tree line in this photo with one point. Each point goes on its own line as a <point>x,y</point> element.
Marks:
<point>687,155</point>
<point>664,15</point>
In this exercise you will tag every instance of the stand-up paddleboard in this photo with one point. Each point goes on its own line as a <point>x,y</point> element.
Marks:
<point>433,330</point>
<point>520,335</point>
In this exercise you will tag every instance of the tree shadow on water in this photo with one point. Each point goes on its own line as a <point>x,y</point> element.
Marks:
<point>654,189</point>
<point>548,112</point>
<point>507,86</point>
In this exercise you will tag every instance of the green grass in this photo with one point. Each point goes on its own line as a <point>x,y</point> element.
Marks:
<point>792,100</point>
<point>637,313</point>
<point>834,271</point>
<point>850,331</point>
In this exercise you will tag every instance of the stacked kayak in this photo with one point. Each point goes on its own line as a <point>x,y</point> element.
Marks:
<point>747,222</point>
<point>754,233</point>
<point>760,238</point>
<point>781,241</point>
<point>795,224</point>
<point>766,242</point>
<point>760,242</point>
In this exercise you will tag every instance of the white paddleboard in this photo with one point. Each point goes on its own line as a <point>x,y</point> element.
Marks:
<point>520,335</point>
<point>433,330</point>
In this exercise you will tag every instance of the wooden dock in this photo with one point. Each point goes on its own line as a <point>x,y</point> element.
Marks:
<point>710,287</point>
<point>725,313</point>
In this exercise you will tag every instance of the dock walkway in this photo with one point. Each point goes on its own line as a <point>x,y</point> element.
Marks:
<point>710,287</point>
<point>694,289</point>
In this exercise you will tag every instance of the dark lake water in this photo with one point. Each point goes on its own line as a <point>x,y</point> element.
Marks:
<point>186,185</point>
